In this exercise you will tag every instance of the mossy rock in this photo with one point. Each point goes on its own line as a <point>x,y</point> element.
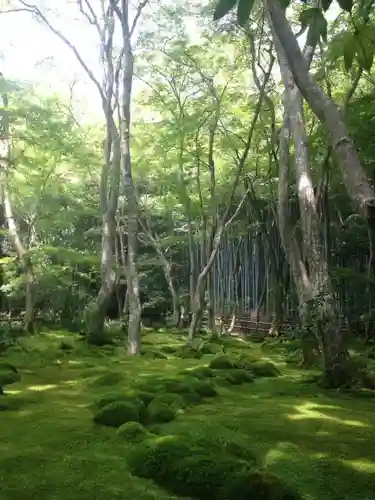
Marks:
<point>108,379</point>
<point>66,345</point>
<point>264,369</point>
<point>260,485</point>
<point>224,362</point>
<point>122,397</point>
<point>134,432</point>
<point>117,413</point>
<point>211,348</point>
<point>145,396</point>
<point>188,352</point>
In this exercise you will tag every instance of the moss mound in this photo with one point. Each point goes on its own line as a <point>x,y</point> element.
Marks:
<point>224,362</point>
<point>117,413</point>
<point>203,388</point>
<point>188,352</point>
<point>108,379</point>
<point>145,397</point>
<point>199,372</point>
<point>8,375</point>
<point>236,377</point>
<point>169,399</point>
<point>160,413</point>
<point>169,349</point>
<point>134,432</point>
<point>264,369</point>
<point>185,388</point>
<point>206,469</point>
<point>153,354</point>
<point>120,397</point>
<point>211,348</point>
<point>260,485</point>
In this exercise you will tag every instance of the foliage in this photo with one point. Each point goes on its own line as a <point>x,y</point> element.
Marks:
<point>133,432</point>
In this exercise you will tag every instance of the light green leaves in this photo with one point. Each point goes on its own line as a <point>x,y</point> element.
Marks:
<point>314,19</point>
<point>359,46</point>
<point>244,8</point>
<point>223,7</point>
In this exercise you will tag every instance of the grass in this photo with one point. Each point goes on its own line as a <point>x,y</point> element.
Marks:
<point>321,442</point>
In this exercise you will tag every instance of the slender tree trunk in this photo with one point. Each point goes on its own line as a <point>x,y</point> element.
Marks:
<point>134,329</point>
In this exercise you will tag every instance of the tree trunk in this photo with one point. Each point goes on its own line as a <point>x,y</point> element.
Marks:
<point>134,329</point>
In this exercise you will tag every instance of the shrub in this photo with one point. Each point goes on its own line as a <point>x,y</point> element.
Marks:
<point>117,413</point>
<point>134,432</point>
<point>8,375</point>
<point>261,485</point>
<point>211,348</point>
<point>264,369</point>
<point>107,379</point>
<point>223,362</point>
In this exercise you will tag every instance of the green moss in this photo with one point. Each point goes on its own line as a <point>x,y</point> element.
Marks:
<point>203,388</point>
<point>184,388</point>
<point>264,369</point>
<point>122,397</point>
<point>169,399</point>
<point>188,352</point>
<point>169,349</point>
<point>199,372</point>
<point>8,375</point>
<point>154,353</point>
<point>108,379</point>
<point>134,432</point>
<point>66,345</point>
<point>160,413</point>
<point>117,413</point>
<point>260,485</point>
<point>145,397</point>
<point>211,348</point>
<point>236,377</point>
<point>223,362</point>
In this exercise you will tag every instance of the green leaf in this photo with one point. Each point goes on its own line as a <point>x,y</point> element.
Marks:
<point>243,11</point>
<point>349,50</point>
<point>223,7</point>
<point>365,48</point>
<point>326,4</point>
<point>284,3</point>
<point>346,5</point>
<point>313,18</point>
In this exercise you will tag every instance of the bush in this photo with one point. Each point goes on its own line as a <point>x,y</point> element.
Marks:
<point>264,369</point>
<point>8,375</point>
<point>117,413</point>
<point>107,379</point>
<point>133,432</point>
<point>261,485</point>
<point>223,362</point>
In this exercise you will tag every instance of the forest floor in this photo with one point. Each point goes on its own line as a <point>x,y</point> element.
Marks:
<point>323,443</point>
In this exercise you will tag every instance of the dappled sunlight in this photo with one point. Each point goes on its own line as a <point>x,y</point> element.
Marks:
<point>72,382</point>
<point>281,451</point>
<point>41,388</point>
<point>312,411</point>
<point>361,465</point>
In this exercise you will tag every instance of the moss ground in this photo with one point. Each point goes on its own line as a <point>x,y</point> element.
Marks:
<point>321,442</point>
